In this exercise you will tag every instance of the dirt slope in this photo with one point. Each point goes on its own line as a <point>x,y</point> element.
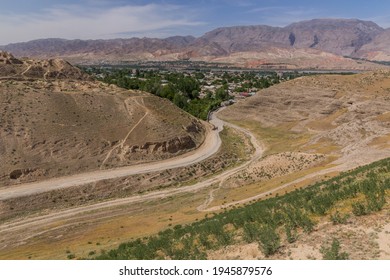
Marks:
<point>342,116</point>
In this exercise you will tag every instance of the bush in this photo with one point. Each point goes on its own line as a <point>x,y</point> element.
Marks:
<point>359,209</point>
<point>337,218</point>
<point>269,240</point>
<point>71,256</point>
<point>333,252</point>
<point>291,234</point>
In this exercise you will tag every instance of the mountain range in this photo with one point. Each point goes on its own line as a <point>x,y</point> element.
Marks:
<point>327,42</point>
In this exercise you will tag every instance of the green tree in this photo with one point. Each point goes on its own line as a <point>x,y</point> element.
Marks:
<point>180,101</point>
<point>222,93</point>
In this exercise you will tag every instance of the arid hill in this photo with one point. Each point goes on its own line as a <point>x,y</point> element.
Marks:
<point>344,117</point>
<point>13,68</point>
<point>292,58</point>
<point>55,120</point>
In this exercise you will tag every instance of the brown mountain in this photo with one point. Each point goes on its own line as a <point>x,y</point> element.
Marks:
<point>378,49</point>
<point>338,36</point>
<point>342,37</point>
<point>243,38</point>
<point>95,50</point>
<point>56,121</point>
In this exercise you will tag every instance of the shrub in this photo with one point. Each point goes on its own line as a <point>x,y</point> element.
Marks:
<point>269,240</point>
<point>333,252</point>
<point>359,209</point>
<point>337,218</point>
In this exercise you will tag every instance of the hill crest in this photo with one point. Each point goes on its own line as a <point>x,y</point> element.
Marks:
<point>57,121</point>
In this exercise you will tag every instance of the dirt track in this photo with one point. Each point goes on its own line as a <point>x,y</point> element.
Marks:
<point>210,146</point>
<point>19,230</point>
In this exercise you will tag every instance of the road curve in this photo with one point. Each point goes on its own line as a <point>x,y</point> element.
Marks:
<point>208,148</point>
<point>69,214</point>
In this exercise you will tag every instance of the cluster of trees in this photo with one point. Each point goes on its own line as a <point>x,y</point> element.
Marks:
<point>182,90</point>
<point>266,221</point>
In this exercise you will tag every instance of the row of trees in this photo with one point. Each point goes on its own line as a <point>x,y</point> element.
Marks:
<point>265,222</point>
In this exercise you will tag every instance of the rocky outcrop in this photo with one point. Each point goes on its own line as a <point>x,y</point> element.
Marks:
<point>172,146</point>
<point>38,69</point>
<point>8,58</point>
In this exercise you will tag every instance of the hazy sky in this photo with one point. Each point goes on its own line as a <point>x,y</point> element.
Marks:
<point>24,20</point>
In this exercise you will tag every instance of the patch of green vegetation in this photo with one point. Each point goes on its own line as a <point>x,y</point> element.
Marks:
<point>71,256</point>
<point>266,221</point>
<point>338,218</point>
<point>333,252</point>
<point>185,89</point>
<point>182,90</point>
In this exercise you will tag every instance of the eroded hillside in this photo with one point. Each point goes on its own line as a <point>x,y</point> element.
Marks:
<point>344,117</point>
<point>56,121</point>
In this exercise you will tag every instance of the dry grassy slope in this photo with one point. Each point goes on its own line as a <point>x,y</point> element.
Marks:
<point>52,127</point>
<point>346,116</point>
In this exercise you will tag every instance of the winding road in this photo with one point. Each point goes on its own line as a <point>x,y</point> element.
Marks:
<point>69,216</point>
<point>19,230</point>
<point>208,148</point>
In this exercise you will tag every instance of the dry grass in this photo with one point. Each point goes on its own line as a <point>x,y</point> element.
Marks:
<point>267,187</point>
<point>326,123</point>
<point>382,142</point>
<point>97,231</point>
<point>276,139</point>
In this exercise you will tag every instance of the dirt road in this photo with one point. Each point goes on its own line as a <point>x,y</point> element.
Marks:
<point>19,230</point>
<point>209,147</point>
<point>71,215</point>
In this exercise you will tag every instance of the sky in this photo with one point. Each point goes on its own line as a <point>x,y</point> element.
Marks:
<point>25,20</point>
